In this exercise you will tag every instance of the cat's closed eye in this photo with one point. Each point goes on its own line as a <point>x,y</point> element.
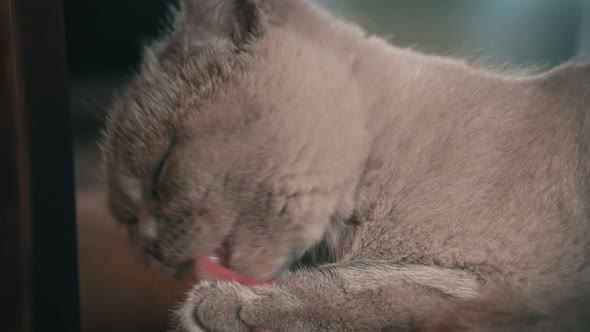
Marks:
<point>155,194</point>
<point>156,178</point>
<point>131,221</point>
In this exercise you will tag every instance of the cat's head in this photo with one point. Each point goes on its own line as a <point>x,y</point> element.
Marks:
<point>237,134</point>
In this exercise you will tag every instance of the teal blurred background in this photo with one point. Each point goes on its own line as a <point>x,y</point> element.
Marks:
<point>534,32</point>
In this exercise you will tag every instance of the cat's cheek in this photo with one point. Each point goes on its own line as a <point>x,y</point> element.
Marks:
<point>202,241</point>
<point>256,261</point>
<point>207,231</point>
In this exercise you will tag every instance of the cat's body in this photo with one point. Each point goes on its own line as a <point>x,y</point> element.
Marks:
<point>441,195</point>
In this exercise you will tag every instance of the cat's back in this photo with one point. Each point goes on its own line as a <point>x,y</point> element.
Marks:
<point>491,170</point>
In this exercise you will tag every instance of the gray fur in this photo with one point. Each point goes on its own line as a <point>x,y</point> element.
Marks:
<point>426,192</point>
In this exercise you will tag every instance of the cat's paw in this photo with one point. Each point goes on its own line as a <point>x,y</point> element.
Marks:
<point>231,307</point>
<point>215,306</point>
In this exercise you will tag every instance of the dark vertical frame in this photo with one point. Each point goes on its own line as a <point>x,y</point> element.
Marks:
<point>37,229</point>
<point>15,224</point>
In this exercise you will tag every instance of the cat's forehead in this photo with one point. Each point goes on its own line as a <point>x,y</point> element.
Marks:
<point>150,115</point>
<point>180,93</point>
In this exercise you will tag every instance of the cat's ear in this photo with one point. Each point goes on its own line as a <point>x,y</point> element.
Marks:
<point>210,23</point>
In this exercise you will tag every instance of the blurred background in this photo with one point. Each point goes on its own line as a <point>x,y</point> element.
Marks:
<point>105,38</point>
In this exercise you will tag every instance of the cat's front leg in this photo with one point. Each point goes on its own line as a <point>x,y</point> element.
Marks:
<point>358,297</point>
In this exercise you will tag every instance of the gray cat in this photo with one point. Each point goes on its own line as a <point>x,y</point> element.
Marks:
<point>386,190</point>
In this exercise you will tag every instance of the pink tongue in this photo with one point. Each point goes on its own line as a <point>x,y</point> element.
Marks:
<point>212,270</point>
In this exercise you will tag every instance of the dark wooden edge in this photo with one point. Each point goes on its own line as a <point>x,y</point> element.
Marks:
<point>15,224</point>
<point>37,226</point>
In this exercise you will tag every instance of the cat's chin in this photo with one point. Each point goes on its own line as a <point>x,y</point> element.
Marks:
<point>213,267</point>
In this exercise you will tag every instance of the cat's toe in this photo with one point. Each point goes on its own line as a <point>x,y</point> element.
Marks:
<point>215,307</point>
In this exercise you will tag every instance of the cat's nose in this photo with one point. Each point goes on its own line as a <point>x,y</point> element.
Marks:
<point>152,248</point>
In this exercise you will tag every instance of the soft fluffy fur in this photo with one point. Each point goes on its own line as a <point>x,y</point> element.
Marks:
<point>420,192</point>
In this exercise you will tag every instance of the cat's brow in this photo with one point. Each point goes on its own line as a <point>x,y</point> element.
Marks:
<point>159,168</point>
